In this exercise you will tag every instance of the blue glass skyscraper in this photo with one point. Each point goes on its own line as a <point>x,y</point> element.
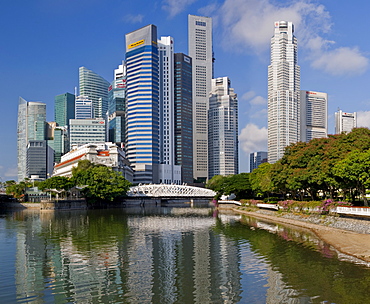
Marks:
<point>142,118</point>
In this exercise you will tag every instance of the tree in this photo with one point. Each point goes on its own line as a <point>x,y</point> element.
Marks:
<point>103,184</point>
<point>83,165</point>
<point>355,168</point>
<point>260,180</point>
<point>217,183</point>
<point>17,190</point>
<point>56,182</point>
<point>238,184</point>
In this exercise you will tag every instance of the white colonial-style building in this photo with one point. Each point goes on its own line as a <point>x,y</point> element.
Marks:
<point>102,153</point>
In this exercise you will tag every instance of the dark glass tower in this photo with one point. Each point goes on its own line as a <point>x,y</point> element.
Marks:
<point>184,116</point>
<point>64,109</point>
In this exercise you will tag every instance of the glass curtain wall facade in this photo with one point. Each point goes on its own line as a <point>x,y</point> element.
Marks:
<point>283,91</point>
<point>94,87</point>
<point>223,129</point>
<point>117,107</point>
<point>84,108</point>
<point>142,103</point>
<point>31,126</point>
<point>200,50</point>
<point>184,116</point>
<point>64,108</point>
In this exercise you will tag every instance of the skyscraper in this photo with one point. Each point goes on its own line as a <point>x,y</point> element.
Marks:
<point>168,171</point>
<point>95,88</point>
<point>31,126</point>
<point>314,115</point>
<point>345,122</point>
<point>183,117</point>
<point>283,91</point>
<point>84,108</point>
<point>64,108</point>
<point>117,106</point>
<point>257,158</point>
<point>142,100</point>
<point>222,129</point>
<point>200,50</point>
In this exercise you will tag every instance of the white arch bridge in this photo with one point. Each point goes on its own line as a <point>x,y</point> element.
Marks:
<point>169,191</point>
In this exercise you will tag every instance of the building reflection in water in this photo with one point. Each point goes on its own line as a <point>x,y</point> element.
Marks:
<point>152,259</point>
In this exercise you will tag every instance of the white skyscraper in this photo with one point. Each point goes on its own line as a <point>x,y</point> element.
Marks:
<point>345,122</point>
<point>283,91</point>
<point>168,172</point>
<point>200,50</point>
<point>222,129</point>
<point>314,115</point>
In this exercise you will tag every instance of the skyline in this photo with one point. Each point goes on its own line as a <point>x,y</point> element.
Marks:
<point>47,43</point>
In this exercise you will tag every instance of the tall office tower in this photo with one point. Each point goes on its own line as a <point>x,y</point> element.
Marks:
<point>142,101</point>
<point>345,122</point>
<point>117,106</point>
<point>39,159</point>
<point>314,115</point>
<point>64,108</point>
<point>257,158</point>
<point>168,171</point>
<point>95,88</point>
<point>84,108</point>
<point>31,126</point>
<point>85,131</point>
<point>223,156</point>
<point>184,116</point>
<point>283,91</point>
<point>200,50</point>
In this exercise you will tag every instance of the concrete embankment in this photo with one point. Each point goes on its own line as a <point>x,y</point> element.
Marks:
<point>347,235</point>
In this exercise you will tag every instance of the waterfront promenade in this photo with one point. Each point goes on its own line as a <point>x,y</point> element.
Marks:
<point>349,236</point>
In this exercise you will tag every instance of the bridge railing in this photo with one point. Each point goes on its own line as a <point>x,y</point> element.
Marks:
<point>164,190</point>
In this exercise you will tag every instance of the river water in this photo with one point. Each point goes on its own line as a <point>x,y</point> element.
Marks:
<point>169,255</point>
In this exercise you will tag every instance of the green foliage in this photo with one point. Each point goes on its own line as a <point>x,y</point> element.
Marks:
<point>260,179</point>
<point>237,184</point>
<point>103,183</point>
<point>354,170</point>
<point>324,165</point>
<point>17,190</point>
<point>82,165</point>
<point>217,184</point>
<point>56,182</point>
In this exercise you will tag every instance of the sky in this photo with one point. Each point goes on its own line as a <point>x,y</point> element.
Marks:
<point>43,43</point>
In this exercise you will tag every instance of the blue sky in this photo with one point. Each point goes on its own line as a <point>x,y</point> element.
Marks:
<point>45,42</point>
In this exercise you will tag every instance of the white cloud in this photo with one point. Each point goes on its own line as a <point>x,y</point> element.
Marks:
<point>248,95</point>
<point>341,61</point>
<point>208,10</point>
<point>174,7</point>
<point>253,99</point>
<point>252,139</point>
<point>258,100</point>
<point>248,25</point>
<point>363,119</point>
<point>134,18</point>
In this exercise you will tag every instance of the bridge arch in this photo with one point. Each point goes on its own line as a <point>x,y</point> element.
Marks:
<point>170,191</point>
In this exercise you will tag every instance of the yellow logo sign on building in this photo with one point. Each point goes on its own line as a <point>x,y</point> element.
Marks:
<point>132,45</point>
